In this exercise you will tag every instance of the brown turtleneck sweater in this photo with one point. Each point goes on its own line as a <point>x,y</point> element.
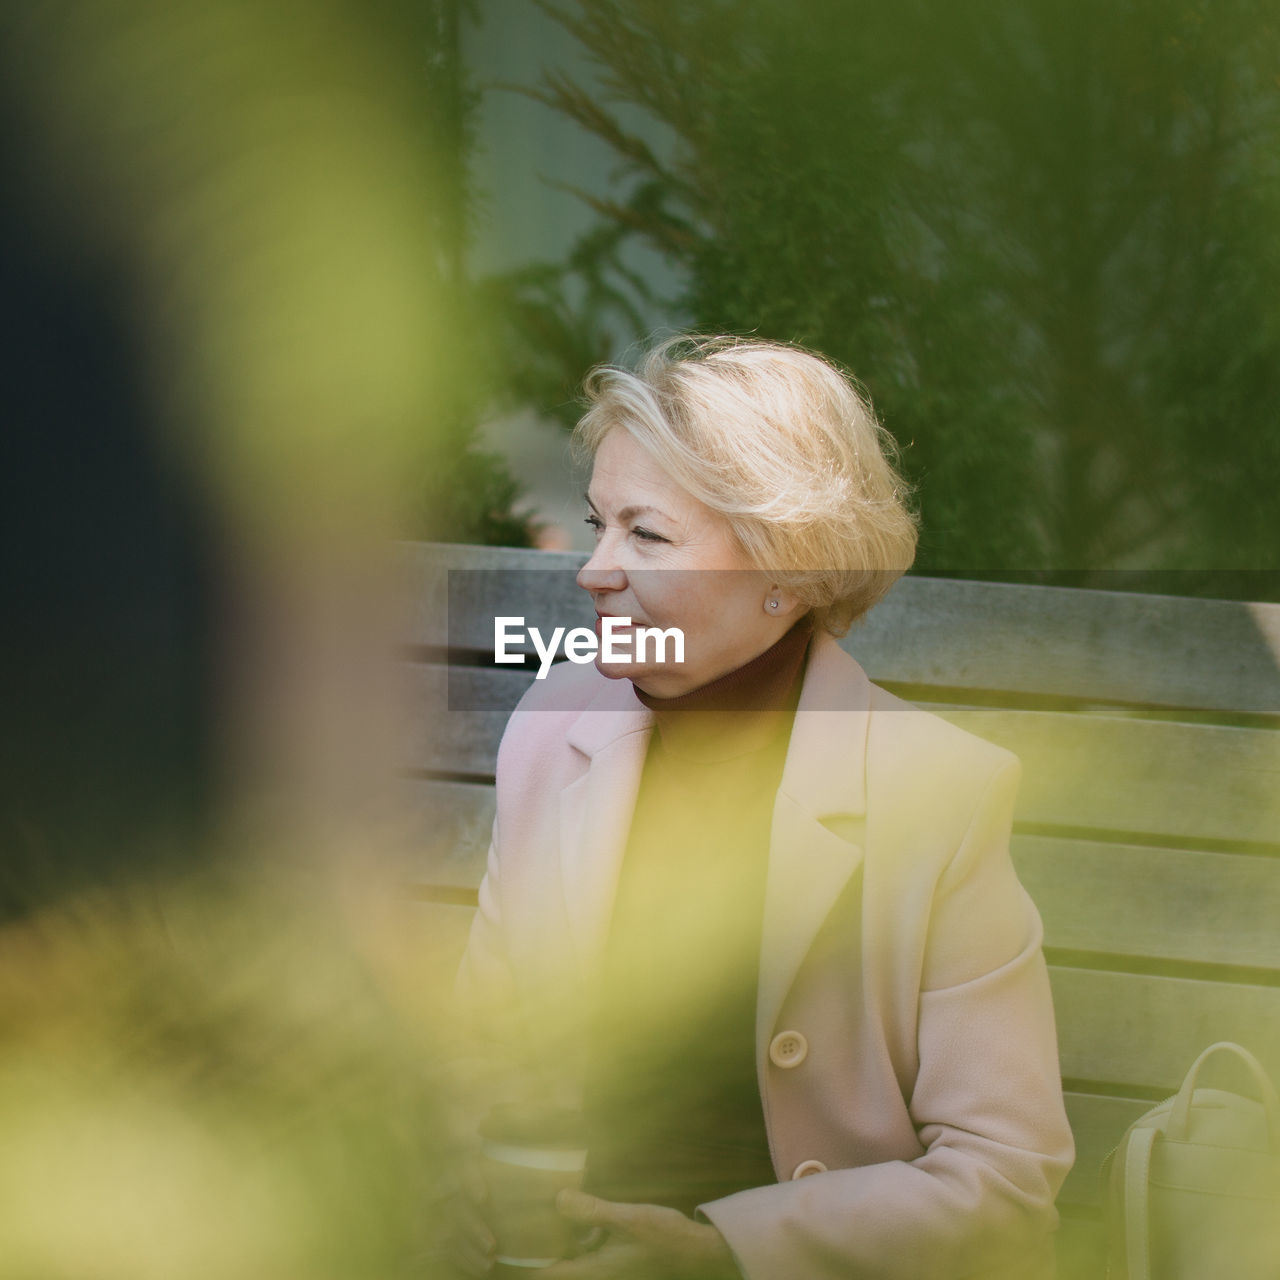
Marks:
<point>672,1099</point>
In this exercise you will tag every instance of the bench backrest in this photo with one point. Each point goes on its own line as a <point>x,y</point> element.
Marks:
<point>1147,828</point>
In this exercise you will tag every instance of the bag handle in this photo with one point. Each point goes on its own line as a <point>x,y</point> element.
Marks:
<point>1180,1113</point>
<point>1137,1170</point>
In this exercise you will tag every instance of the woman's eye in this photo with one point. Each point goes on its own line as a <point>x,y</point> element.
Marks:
<point>645,535</point>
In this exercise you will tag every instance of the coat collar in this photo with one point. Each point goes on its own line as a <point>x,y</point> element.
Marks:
<point>613,712</point>
<point>815,837</point>
<point>824,772</point>
<point>816,840</point>
<point>818,773</point>
<point>595,813</point>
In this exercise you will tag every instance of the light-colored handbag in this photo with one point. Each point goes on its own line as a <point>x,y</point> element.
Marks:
<point>1193,1188</point>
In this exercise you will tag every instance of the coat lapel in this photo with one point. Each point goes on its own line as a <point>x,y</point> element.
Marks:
<point>595,814</point>
<point>821,802</point>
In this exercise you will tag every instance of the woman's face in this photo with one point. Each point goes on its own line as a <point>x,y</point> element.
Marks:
<point>664,559</point>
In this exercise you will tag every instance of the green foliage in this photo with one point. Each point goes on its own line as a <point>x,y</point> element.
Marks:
<point>546,336</point>
<point>1043,235</point>
<point>467,493</point>
<point>470,496</point>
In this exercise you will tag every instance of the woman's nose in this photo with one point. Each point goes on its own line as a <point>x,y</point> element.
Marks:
<point>602,571</point>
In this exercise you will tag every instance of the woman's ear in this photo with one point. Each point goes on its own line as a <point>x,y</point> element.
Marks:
<point>779,603</point>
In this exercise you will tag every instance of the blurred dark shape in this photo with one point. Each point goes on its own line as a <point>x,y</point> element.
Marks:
<point>222,317</point>
<point>108,572</point>
<point>237,363</point>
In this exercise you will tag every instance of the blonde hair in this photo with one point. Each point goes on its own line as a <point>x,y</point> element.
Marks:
<point>783,445</point>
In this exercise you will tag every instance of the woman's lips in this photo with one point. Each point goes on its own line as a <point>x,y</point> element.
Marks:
<point>600,617</point>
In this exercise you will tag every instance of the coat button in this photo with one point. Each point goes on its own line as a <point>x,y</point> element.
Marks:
<point>805,1168</point>
<point>788,1049</point>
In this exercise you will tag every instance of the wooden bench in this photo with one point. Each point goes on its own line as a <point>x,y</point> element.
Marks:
<point>1148,823</point>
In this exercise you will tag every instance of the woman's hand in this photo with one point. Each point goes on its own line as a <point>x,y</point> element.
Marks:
<point>644,1242</point>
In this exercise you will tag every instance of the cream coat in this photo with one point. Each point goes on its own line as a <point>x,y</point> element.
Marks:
<point>897,942</point>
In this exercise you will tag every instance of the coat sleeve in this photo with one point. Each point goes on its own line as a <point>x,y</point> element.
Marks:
<point>986,1104</point>
<point>504,1031</point>
<point>480,1051</point>
<point>484,988</point>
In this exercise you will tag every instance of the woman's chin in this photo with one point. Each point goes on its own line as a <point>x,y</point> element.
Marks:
<point>616,670</point>
<point>647,677</point>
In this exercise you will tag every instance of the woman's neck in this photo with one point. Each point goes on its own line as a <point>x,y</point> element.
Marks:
<point>740,711</point>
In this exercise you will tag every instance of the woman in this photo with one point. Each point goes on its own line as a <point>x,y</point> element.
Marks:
<point>752,914</point>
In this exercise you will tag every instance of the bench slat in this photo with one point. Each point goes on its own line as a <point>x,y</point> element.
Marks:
<point>1157,778</point>
<point>1181,782</point>
<point>439,740</point>
<point>446,827</point>
<point>1098,1123</point>
<point>1111,899</point>
<point>1138,1029</point>
<point>1153,903</point>
<point>1164,651</point>
<point>1151,650</point>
